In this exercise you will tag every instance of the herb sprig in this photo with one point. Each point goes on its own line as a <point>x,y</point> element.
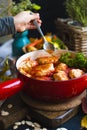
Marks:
<point>78,61</point>
<point>77,10</point>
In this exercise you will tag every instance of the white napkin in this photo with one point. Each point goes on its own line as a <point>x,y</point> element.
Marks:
<point>6,49</point>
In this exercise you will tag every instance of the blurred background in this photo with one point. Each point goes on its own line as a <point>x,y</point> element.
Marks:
<point>49,12</point>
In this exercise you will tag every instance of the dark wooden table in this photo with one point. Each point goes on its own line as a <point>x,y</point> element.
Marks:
<point>20,111</point>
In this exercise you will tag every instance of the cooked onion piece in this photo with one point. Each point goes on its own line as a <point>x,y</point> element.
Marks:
<point>22,70</point>
<point>26,66</point>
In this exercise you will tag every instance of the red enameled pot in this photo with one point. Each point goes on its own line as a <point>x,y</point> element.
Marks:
<point>43,90</point>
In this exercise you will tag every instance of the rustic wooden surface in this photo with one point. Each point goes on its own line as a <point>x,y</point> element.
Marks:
<point>53,119</point>
<point>20,111</point>
<point>16,113</point>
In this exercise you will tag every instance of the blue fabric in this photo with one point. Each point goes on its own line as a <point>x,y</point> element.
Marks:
<point>7,26</point>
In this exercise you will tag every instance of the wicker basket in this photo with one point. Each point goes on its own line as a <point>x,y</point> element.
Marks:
<point>74,37</point>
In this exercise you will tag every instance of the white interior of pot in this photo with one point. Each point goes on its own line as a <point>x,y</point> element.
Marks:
<point>40,53</point>
<point>32,55</point>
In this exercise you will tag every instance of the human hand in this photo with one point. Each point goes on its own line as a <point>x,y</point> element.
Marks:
<point>24,21</point>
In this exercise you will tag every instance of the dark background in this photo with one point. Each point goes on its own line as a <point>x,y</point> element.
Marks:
<point>50,11</point>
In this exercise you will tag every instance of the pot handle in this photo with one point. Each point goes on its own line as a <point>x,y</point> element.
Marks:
<point>10,87</point>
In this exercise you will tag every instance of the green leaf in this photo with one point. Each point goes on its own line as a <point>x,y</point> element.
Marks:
<point>77,10</point>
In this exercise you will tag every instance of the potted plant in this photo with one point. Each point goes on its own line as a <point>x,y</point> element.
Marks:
<point>12,8</point>
<point>73,30</point>
<point>77,10</point>
<point>24,5</point>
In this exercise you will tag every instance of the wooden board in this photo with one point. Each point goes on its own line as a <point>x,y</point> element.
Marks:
<point>54,106</point>
<point>53,119</point>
